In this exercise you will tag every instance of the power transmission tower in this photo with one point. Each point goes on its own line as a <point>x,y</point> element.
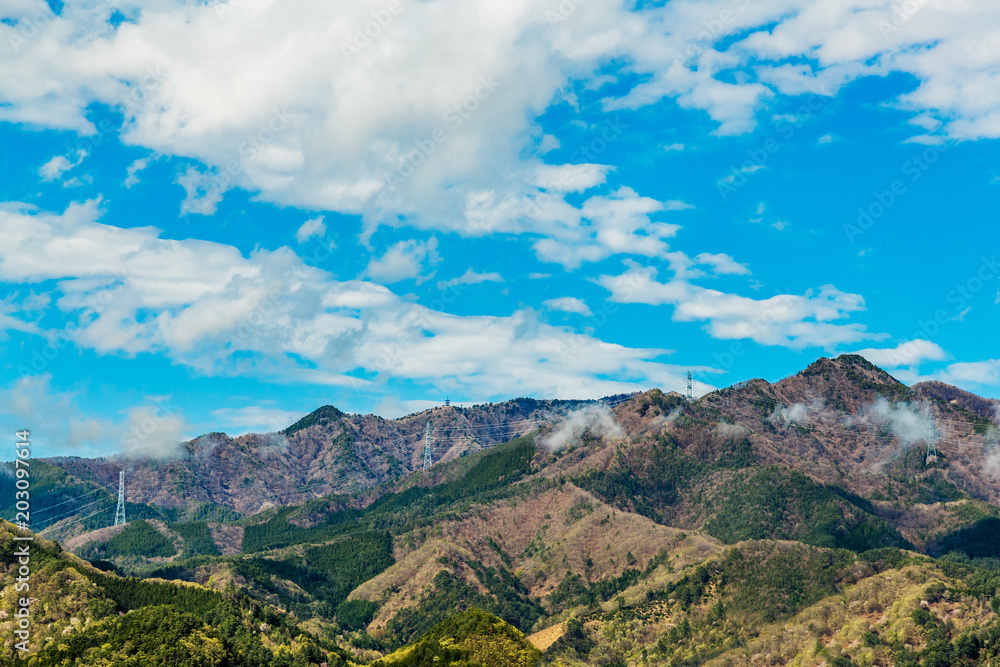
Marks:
<point>428,455</point>
<point>120,512</point>
<point>690,387</point>
<point>931,451</point>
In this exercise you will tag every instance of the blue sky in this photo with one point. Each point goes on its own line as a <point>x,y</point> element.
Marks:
<point>221,216</point>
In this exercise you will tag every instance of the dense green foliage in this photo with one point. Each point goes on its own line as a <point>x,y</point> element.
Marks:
<point>197,538</point>
<point>980,540</point>
<point>507,599</point>
<point>472,638</point>
<point>489,477</point>
<point>327,573</point>
<point>138,539</point>
<point>133,593</point>
<point>356,614</point>
<point>782,504</point>
<point>759,502</point>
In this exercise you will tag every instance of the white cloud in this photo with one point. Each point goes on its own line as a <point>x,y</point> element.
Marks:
<point>826,139</point>
<point>539,276</point>
<point>454,104</point>
<point>796,321</point>
<point>983,373</point>
<point>618,223</point>
<point>722,264</point>
<point>312,228</point>
<point>673,147</point>
<point>909,353</point>
<point>571,177</point>
<point>403,260</point>
<point>282,112</point>
<point>206,306</point>
<point>151,430</point>
<point>202,192</point>
<point>741,171</point>
<point>470,277</point>
<point>59,165</point>
<point>255,419</point>
<point>133,169</point>
<point>568,304</point>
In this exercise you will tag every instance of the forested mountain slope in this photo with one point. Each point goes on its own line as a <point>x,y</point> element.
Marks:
<point>836,517</point>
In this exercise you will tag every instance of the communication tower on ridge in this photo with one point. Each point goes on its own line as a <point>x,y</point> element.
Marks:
<point>428,455</point>
<point>690,387</point>
<point>120,512</point>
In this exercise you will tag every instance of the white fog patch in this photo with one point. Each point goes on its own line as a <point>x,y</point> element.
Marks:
<point>153,432</point>
<point>797,413</point>
<point>597,418</point>
<point>733,431</point>
<point>908,422</point>
<point>270,444</point>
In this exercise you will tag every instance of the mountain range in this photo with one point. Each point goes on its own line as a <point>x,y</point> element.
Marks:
<point>835,517</point>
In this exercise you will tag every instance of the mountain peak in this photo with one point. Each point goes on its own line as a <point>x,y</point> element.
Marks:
<point>322,416</point>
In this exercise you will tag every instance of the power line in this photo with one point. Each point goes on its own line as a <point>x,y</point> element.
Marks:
<point>43,530</point>
<point>46,509</point>
<point>54,519</point>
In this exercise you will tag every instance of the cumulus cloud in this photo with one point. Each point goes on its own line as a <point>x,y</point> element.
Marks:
<point>618,223</point>
<point>132,177</point>
<point>796,321</point>
<point>909,353</point>
<point>59,165</point>
<point>722,264</point>
<point>312,228</point>
<point>911,423</point>
<point>201,192</point>
<point>206,306</point>
<point>568,304</point>
<point>983,373</point>
<point>403,260</point>
<point>435,122</point>
<point>597,419</point>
